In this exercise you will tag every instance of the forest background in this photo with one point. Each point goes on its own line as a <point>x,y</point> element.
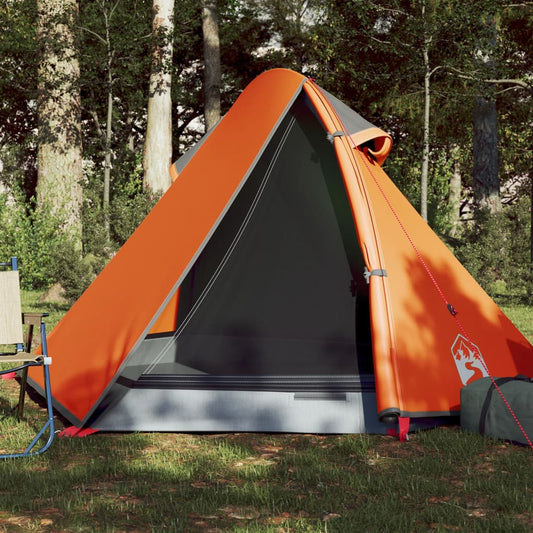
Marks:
<point>98,97</point>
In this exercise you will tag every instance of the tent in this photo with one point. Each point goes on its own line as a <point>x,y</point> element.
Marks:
<point>283,283</point>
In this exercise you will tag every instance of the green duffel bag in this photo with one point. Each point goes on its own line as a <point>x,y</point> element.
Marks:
<point>483,410</point>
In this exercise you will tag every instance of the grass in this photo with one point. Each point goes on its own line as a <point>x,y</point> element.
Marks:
<point>441,480</point>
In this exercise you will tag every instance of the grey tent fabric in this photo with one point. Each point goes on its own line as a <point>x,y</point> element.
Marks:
<point>352,121</point>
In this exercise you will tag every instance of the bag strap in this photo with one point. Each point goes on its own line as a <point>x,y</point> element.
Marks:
<point>488,397</point>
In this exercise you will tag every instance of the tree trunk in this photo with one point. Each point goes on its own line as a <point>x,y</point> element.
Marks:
<point>485,172</point>
<point>531,211</point>
<point>59,158</point>
<point>157,155</point>
<point>454,196</point>
<point>109,122</point>
<point>107,161</point>
<point>486,182</point>
<point>425,150</point>
<point>212,79</point>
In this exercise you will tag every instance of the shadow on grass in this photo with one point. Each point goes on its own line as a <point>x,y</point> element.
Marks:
<point>259,482</point>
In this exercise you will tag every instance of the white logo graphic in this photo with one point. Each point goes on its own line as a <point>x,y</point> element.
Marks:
<point>468,360</point>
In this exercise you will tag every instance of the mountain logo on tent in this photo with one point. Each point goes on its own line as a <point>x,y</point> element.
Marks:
<point>468,360</point>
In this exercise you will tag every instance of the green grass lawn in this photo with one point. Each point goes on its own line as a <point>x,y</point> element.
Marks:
<point>441,480</point>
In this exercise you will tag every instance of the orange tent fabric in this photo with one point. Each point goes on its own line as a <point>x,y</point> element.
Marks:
<point>423,353</point>
<point>414,332</point>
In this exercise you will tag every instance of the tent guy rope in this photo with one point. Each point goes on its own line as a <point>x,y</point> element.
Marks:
<point>450,307</point>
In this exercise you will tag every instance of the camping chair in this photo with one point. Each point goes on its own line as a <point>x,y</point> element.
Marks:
<point>19,358</point>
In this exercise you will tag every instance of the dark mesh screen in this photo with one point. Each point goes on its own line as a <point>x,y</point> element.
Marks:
<point>272,292</point>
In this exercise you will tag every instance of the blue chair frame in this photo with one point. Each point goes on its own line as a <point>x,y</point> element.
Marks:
<point>22,359</point>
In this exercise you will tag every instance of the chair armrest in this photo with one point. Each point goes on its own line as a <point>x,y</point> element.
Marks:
<point>22,357</point>
<point>33,319</point>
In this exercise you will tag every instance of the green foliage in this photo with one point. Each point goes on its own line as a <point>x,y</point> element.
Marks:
<point>245,28</point>
<point>95,238</point>
<point>31,236</point>
<point>439,211</point>
<point>128,212</point>
<point>46,255</point>
<point>115,41</point>
<point>403,167</point>
<point>18,70</point>
<point>496,249</point>
<point>368,54</point>
<point>73,272</point>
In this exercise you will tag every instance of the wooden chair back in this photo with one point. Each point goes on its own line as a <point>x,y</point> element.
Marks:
<point>10,308</point>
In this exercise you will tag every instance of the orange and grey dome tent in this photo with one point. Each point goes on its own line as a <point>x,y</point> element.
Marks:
<point>283,283</point>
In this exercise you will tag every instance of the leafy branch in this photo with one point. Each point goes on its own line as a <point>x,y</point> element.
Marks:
<point>514,82</point>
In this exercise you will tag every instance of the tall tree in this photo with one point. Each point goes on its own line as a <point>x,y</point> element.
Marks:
<point>59,188</point>
<point>387,59</point>
<point>486,180</point>
<point>454,194</point>
<point>515,98</point>
<point>497,68</point>
<point>115,45</point>
<point>212,72</point>
<point>107,12</point>
<point>158,143</point>
<point>426,45</point>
